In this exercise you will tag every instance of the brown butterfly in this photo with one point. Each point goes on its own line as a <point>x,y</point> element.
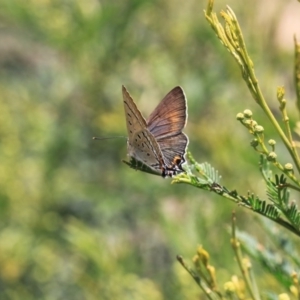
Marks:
<point>158,145</point>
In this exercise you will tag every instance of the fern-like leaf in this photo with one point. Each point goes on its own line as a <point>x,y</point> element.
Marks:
<point>207,172</point>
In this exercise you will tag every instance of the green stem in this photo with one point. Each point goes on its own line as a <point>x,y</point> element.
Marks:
<point>297,71</point>
<point>261,101</point>
<point>238,47</point>
<point>221,191</point>
<point>197,279</point>
<point>238,254</point>
<point>260,98</point>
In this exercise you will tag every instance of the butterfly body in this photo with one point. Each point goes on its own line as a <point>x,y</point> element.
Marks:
<point>159,142</point>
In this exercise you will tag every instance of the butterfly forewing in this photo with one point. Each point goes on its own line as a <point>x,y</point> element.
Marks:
<point>169,117</point>
<point>134,119</point>
<point>141,144</point>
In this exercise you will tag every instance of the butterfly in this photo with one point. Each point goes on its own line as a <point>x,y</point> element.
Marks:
<point>157,145</point>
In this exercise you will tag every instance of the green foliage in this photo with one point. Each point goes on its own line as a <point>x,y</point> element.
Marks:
<point>231,37</point>
<point>76,223</point>
<point>282,266</point>
<point>276,260</point>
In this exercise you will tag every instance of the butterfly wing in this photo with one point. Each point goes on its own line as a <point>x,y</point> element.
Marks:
<point>134,120</point>
<point>169,117</point>
<point>141,144</point>
<point>173,148</point>
<point>138,165</point>
<point>166,124</point>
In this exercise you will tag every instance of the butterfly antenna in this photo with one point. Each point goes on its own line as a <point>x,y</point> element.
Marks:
<point>108,138</point>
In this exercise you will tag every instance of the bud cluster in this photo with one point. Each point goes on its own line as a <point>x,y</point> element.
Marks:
<point>246,118</point>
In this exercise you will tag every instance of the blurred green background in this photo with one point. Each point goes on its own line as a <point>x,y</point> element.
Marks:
<point>76,223</point>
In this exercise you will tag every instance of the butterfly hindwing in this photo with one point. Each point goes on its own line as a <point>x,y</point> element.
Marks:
<point>174,146</point>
